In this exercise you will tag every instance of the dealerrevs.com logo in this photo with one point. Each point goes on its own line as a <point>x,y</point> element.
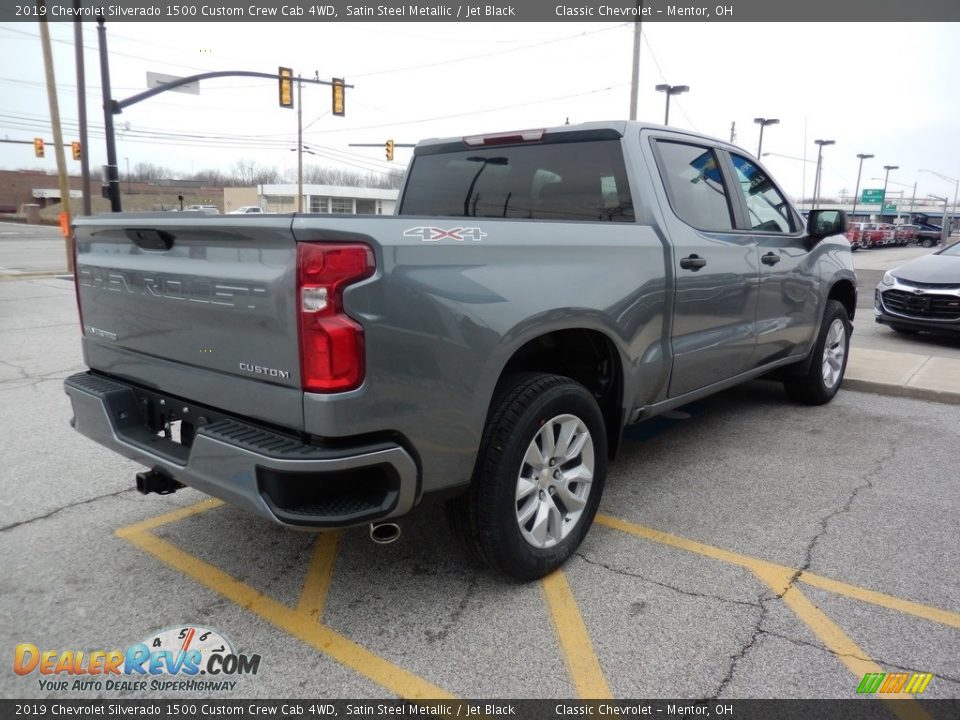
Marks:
<point>186,658</point>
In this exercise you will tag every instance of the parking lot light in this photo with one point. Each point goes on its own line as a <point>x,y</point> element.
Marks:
<point>670,90</point>
<point>886,179</point>
<point>956,188</point>
<point>816,181</point>
<point>763,122</point>
<point>856,193</point>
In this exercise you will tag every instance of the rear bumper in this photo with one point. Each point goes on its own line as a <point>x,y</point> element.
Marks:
<point>272,474</point>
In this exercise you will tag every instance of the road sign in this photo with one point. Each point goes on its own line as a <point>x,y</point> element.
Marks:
<point>889,207</point>
<point>154,79</point>
<point>871,196</point>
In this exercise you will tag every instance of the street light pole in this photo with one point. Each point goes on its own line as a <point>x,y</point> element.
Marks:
<point>670,90</point>
<point>856,193</point>
<point>112,180</point>
<point>886,178</point>
<point>956,188</point>
<point>816,182</point>
<point>635,81</point>
<point>763,122</point>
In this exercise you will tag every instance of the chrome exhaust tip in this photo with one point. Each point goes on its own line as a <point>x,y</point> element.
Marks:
<point>384,533</point>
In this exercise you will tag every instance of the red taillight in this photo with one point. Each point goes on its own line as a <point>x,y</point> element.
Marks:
<point>331,342</point>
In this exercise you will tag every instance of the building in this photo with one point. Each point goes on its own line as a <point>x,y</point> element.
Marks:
<point>321,199</point>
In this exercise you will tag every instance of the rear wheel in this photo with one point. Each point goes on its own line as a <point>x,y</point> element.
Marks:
<point>538,477</point>
<point>822,379</point>
<point>927,242</point>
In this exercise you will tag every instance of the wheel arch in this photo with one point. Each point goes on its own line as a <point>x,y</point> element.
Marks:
<point>844,291</point>
<point>586,355</point>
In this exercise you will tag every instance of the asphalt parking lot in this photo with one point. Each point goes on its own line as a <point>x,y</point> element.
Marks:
<point>746,547</point>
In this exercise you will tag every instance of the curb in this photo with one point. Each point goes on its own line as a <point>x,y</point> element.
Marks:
<point>907,391</point>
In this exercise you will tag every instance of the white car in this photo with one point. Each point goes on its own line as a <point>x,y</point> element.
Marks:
<point>246,210</point>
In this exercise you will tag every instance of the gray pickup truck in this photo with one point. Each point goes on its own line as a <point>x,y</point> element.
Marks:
<point>535,293</point>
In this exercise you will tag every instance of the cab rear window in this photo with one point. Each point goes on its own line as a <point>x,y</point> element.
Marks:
<point>556,181</point>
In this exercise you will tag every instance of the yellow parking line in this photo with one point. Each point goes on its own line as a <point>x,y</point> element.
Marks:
<point>683,543</point>
<point>167,518</point>
<point>873,597</point>
<point>582,662</point>
<point>837,641</point>
<point>316,585</point>
<point>383,672</point>
<point>847,651</point>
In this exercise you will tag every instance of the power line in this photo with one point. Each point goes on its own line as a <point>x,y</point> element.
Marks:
<point>467,58</point>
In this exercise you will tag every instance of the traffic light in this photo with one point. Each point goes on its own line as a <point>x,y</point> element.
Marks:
<point>389,149</point>
<point>339,97</point>
<point>38,147</point>
<point>286,87</point>
<point>75,148</point>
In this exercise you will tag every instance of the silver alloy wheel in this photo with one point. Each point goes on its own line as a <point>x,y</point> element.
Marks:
<point>554,481</point>
<point>834,349</point>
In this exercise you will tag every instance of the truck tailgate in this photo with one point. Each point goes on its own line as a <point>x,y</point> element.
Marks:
<point>191,305</point>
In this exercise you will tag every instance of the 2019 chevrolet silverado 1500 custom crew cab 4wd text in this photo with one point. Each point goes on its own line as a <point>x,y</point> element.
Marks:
<point>536,292</point>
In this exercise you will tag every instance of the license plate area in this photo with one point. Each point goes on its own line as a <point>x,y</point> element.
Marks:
<point>169,425</point>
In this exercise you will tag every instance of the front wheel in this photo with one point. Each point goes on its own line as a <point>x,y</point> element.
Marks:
<point>822,379</point>
<point>927,242</point>
<point>538,477</point>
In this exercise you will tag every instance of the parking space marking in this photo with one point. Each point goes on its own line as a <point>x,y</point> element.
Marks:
<point>316,585</point>
<point>151,524</point>
<point>302,626</point>
<point>782,580</point>
<point>582,662</point>
<point>944,617</point>
<point>833,637</point>
<point>305,620</point>
<point>926,612</point>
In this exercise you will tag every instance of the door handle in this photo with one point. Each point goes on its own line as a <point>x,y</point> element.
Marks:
<point>770,259</point>
<point>692,262</point>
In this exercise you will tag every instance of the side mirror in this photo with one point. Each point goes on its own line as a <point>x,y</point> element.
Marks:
<point>824,223</point>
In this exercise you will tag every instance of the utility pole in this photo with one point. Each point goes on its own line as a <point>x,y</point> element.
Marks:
<point>635,83</point>
<point>299,145</point>
<point>57,141</point>
<point>733,131</point>
<point>82,108</point>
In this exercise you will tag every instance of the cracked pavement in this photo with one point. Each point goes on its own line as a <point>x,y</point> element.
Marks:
<point>863,490</point>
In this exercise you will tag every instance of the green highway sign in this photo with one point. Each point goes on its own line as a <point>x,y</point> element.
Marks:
<point>871,196</point>
<point>889,207</point>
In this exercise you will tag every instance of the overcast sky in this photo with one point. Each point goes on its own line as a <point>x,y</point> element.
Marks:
<point>888,89</point>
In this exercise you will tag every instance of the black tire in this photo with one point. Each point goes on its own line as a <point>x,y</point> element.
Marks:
<point>485,519</point>
<point>903,330</point>
<point>927,242</point>
<point>811,388</point>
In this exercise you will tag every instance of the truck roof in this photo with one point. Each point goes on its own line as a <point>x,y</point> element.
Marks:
<point>621,127</point>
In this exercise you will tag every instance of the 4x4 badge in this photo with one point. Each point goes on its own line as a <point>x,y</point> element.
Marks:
<point>435,234</point>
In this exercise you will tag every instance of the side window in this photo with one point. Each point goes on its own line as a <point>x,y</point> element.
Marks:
<point>692,176</point>
<point>768,210</point>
